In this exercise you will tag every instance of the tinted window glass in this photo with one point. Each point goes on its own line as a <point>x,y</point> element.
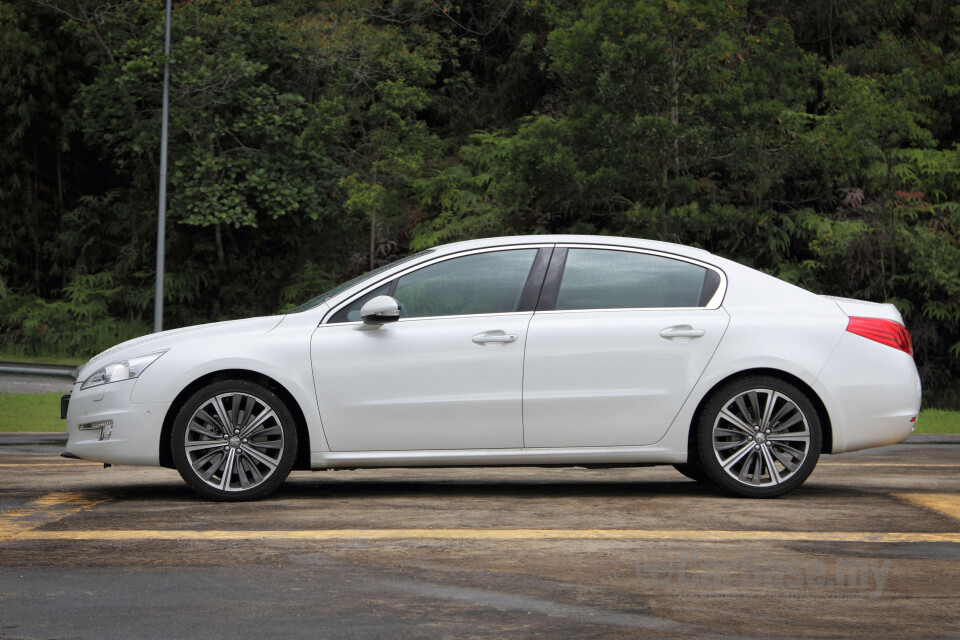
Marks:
<point>351,312</point>
<point>478,283</point>
<point>607,279</point>
<point>323,297</point>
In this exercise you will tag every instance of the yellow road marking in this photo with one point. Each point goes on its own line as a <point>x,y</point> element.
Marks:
<point>694,535</point>
<point>884,464</point>
<point>43,510</point>
<point>81,463</point>
<point>4,465</point>
<point>948,503</point>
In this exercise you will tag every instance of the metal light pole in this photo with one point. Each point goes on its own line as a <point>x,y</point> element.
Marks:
<point>162,208</point>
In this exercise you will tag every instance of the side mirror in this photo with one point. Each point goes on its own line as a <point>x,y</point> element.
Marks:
<point>380,310</point>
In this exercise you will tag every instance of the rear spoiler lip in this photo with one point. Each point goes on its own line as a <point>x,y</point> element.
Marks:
<point>864,309</point>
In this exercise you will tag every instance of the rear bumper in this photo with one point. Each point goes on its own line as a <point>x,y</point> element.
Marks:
<point>134,428</point>
<point>872,393</point>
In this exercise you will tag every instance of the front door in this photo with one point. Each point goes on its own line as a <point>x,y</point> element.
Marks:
<point>447,375</point>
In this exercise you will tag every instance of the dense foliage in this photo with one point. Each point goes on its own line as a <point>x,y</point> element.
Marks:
<point>313,139</point>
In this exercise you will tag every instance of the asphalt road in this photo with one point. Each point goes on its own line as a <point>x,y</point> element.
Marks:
<point>869,547</point>
<point>19,383</point>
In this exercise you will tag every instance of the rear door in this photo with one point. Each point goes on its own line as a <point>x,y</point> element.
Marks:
<point>619,339</point>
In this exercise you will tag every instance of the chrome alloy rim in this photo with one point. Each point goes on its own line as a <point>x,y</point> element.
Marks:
<point>761,438</point>
<point>234,441</point>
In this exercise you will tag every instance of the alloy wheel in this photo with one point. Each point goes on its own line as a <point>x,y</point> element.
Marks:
<point>761,438</point>
<point>234,442</point>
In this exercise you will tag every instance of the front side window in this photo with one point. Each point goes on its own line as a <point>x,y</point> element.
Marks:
<point>480,283</point>
<point>610,279</point>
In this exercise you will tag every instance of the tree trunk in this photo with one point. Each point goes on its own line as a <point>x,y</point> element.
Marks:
<point>218,234</point>
<point>373,233</point>
<point>675,104</point>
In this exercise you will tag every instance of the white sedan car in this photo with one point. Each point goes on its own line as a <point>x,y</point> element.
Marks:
<point>539,350</point>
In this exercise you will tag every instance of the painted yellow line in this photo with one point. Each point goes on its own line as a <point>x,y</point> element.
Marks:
<point>44,510</point>
<point>947,503</point>
<point>884,464</point>
<point>75,463</point>
<point>694,535</point>
<point>50,464</point>
<point>84,463</point>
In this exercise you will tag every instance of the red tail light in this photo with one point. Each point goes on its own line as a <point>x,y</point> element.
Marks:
<point>893,334</point>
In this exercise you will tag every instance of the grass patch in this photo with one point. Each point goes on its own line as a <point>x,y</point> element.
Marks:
<point>30,412</point>
<point>41,412</point>
<point>9,355</point>
<point>938,421</point>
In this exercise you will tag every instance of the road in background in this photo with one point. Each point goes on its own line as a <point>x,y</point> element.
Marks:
<point>21,377</point>
<point>16,383</point>
<point>869,546</point>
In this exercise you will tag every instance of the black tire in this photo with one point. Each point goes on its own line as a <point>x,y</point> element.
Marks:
<point>258,444</point>
<point>693,471</point>
<point>739,439</point>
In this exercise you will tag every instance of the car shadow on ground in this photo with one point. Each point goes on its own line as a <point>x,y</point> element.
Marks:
<point>325,489</point>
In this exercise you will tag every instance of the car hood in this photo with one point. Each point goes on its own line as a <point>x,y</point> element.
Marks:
<point>174,337</point>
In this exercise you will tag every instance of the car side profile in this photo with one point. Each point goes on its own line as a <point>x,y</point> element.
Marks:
<point>579,350</point>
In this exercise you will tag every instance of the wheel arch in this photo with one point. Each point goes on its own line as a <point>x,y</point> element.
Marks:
<point>822,413</point>
<point>302,460</point>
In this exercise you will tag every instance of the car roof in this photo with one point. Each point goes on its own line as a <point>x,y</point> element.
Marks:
<point>636,243</point>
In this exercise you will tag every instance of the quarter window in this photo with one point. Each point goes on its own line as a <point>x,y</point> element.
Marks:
<point>351,312</point>
<point>609,279</point>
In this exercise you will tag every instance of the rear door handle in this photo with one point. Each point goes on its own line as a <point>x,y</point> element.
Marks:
<point>494,337</point>
<point>683,331</point>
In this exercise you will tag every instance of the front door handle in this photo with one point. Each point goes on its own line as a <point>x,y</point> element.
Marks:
<point>683,331</point>
<point>494,337</point>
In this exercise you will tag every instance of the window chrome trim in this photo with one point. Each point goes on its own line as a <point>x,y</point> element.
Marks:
<point>421,265</point>
<point>358,323</point>
<point>627,309</point>
<point>714,302</point>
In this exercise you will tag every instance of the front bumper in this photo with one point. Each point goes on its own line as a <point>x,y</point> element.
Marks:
<point>135,428</point>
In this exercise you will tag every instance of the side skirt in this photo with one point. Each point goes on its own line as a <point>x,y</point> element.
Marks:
<point>498,457</point>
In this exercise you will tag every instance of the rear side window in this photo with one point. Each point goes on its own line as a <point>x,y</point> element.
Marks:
<point>610,279</point>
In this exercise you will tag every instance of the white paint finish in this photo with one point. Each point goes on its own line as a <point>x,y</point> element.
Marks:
<point>874,394</point>
<point>608,378</point>
<point>157,341</point>
<point>786,330</point>
<point>421,383</point>
<point>136,427</point>
<point>279,351</point>
<point>866,309</point>
<point>655,454</point>
<point>422,391</point>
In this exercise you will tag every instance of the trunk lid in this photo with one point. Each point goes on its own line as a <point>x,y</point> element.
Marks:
<point>864,309</point>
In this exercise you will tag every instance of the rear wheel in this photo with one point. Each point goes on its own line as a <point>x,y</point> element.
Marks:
<point>234,440</point>
<point>759,437</point>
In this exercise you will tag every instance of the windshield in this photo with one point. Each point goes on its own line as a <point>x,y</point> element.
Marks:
<point>323,297</point>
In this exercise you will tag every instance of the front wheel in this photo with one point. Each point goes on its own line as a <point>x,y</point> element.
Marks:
<point>759,437</point>
<point>234,440</point>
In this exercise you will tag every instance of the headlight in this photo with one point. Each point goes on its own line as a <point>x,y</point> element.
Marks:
<point>122,370</point>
